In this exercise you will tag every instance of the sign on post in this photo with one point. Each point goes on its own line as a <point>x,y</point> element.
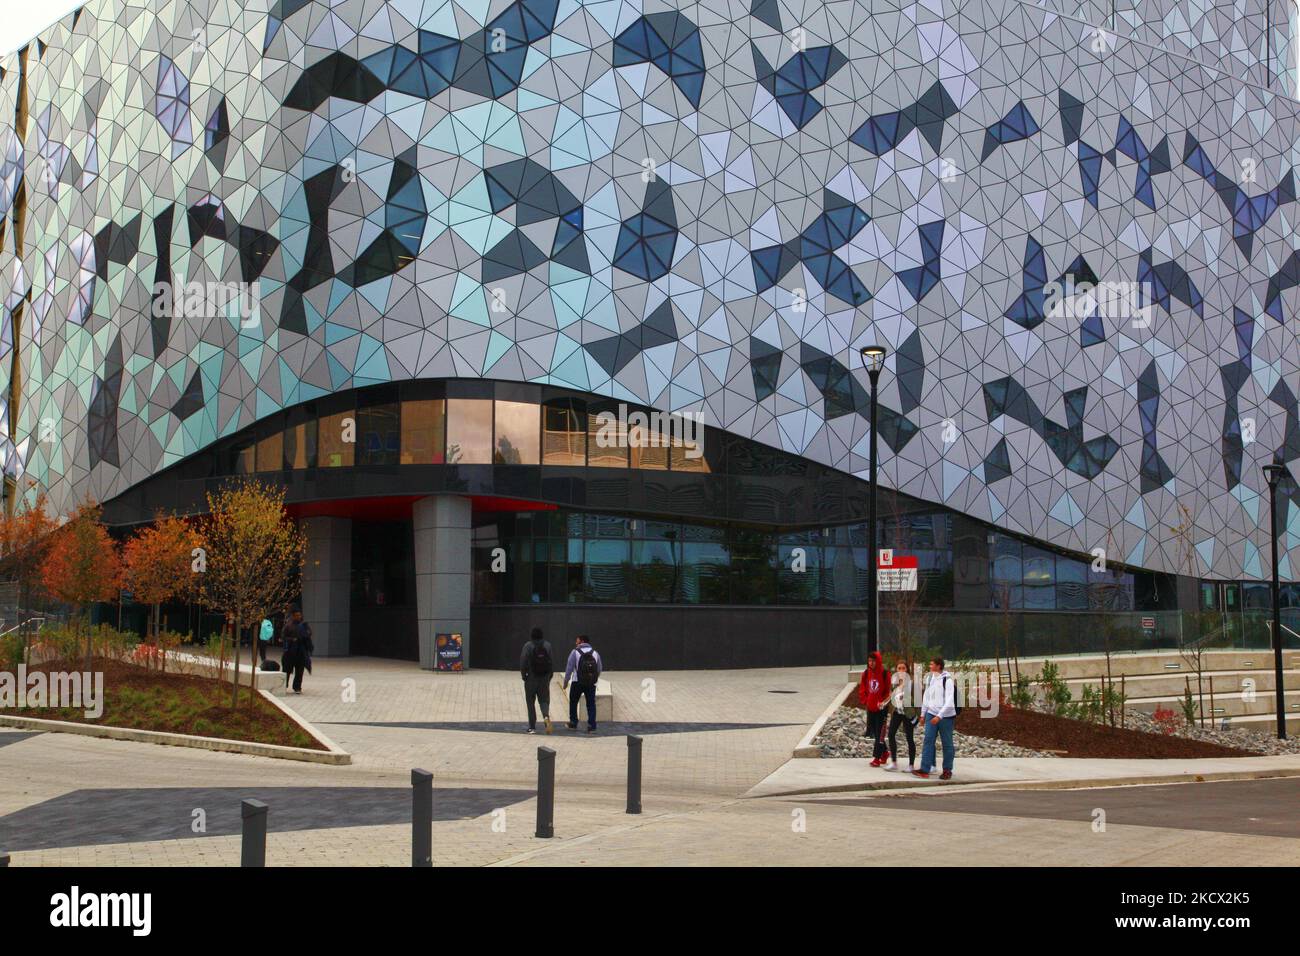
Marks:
<point>896,572</point>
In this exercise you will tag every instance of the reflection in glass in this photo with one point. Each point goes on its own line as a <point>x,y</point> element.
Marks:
<point>606,441</point>
<point>270,452</point>
<point>564,434</point>
<point>380,434</point>
<point>336,441</point>
<point>422,432</point>
<point>1040,579</point>
<point>300,445</point>
<point>517,438</point>
<point>469,431</point>
<point>246,460</point>
<point>649,448</point>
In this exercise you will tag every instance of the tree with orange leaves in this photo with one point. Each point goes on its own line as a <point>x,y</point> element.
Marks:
<point>25,537</point>
<point>82,566</point>
<point>158,564</point>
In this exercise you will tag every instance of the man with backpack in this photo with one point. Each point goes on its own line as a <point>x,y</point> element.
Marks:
<point>583,668</point>
<point>939,712</point>
<point>535,668</point>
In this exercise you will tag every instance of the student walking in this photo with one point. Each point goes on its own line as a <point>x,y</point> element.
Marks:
<point>298,649</point>
<point>939,711</point>
<point>265,634</point>
<point>873,694</point>
<point>583,668</point>
<point>903,713</point>
<point>535,668</point>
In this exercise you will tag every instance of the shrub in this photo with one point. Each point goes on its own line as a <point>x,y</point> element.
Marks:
<point>1056,692</point>
<point>1022,694</point>
<point>1188,704</point>
<point>1090,707</point>
<point>11,652</point>
<point>1166,720</point>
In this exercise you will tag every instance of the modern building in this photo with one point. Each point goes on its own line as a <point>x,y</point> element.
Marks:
<point>442,267</point>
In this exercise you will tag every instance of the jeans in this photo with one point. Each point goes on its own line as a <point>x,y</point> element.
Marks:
<point>896,720</point>
<point>537,690</point>
<point>876,731</point>
<point>943,730</point>
<point>588,691</point>
<point>293,665</point>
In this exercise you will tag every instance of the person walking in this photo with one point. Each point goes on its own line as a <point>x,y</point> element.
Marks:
<point>264,638</point>
<point>583,668</point>
<point>902,713</point>
<point>873,694</point>
<point>939,711</point>
<point>536,669</point>
<point>298,649</point>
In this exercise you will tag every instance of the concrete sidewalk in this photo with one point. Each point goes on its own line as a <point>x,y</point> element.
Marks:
<point>839,775</point>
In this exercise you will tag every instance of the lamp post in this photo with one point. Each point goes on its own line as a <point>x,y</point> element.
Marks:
<point>873,360</point>
<point>1273,474</point>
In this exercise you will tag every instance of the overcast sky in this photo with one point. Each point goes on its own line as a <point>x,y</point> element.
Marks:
<point>20,20</point>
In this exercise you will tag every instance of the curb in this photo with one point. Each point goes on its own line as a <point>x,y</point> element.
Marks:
<point>1217,776</point>
<point>805,746</point>
<point>334,755</point>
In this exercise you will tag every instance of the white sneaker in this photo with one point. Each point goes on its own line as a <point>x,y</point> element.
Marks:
<point>892,765</point>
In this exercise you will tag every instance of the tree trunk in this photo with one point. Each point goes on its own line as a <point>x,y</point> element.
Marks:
<point>234,684</point>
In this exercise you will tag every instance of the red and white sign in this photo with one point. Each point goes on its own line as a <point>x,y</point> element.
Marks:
<point>895,572</point>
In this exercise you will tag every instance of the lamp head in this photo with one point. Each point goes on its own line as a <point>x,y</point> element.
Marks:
<point>1273,474</point>
<point>873,357</point>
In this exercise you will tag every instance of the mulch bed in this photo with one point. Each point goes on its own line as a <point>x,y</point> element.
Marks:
<point>143,699</point>
<point>1077,738</point>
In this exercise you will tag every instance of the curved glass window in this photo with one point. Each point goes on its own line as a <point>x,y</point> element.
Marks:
<point>564,432</point>
<point>423,431</point>
<point>336,440</point>
<point>517,435</point>
<point>469,431</point>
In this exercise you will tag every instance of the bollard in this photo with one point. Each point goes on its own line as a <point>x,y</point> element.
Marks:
<point>4,859</point>
<point>253,850</point>
<point>545,793</point>
<point>421,818</point>
<point>633,774</point>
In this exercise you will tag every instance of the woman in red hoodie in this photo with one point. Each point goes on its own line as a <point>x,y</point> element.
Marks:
<point>873,694</point>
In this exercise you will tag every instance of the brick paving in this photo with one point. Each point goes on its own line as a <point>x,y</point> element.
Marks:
<point>716,734</point>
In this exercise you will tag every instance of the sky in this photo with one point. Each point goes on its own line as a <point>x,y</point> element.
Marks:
<point>20,20</point>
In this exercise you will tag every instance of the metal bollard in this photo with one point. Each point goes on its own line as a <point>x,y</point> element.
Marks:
<point>421,818</point>
<point>545,793</point>
<point>253,850</point>
<point>4,859</point>
<point>633,774</point>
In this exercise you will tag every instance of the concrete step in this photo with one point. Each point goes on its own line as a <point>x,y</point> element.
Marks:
<point>1163,685</point>
<point>1157,663</point>
<point>1225,705</point>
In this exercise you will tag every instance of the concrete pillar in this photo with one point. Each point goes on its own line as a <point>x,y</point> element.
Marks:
<point>442,571</point>
<point>327,584</point>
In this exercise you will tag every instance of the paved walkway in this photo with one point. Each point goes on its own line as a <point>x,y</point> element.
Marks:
<point>710,736</point>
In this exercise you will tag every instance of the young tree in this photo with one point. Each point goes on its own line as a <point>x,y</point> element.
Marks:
<point>159,564</point>
<point>82,566</point>
<point>25,538</point>
<point>1207,626</point>
<point>903,608</point>
<point>252,559</point>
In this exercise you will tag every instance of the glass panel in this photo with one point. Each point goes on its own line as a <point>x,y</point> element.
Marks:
<point>517,439</point>
<point>649,448</point>
<point>380,434</point>
<point>1071,584</point>
<point>1007,578</point>
<point>336,440</point>
<point>300,445</point>
<point>270,452</point>
<point>469,431</point>
<point>687,451</point>
<point>564,434</point>
<point>422,432</point>
<point>606,570</point>
<point>1040,579</point>
<point>606,441</point>
<point>246,460</point>
<point>655,570</point>
<point>705,568</point>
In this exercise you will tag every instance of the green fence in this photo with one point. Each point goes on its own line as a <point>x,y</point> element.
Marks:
<point>988,634</point>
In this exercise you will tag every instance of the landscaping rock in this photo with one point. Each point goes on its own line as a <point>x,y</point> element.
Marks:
<point>845,735</point>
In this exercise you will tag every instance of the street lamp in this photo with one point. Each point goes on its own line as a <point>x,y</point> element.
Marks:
<point>1273,475</point>
<point>873,360</point>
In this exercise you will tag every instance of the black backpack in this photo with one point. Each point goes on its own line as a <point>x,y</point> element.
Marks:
<point>541,659</point>
<point>588,669</point>
<point>957,709</point>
